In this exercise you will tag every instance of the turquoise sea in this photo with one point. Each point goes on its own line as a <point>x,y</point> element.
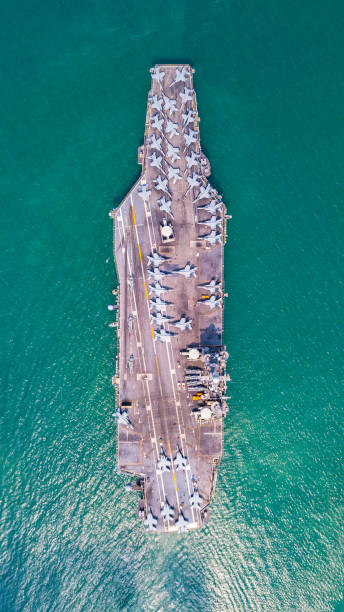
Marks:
<point>74,83</point>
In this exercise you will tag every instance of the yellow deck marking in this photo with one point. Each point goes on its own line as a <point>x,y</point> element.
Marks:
<point>133,211</point>
<point>144,282</point>
<point>174,476</point>
<point>152,331</point>
<point>157,365</point>
<point>140,254</point>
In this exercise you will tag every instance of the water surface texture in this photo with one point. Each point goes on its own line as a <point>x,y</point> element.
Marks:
<point>269,84</point>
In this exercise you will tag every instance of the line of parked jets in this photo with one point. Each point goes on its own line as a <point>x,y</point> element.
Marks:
<point>158,304</point>
<point>167,510</point>
<point>161,105</point>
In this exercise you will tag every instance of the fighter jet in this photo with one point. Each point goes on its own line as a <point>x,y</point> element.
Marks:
<point>157,75</point>
<point>181,75</point>
<point>212,301</point>
<point>213,237</point>
<point>192,160</point>
<point>167,512</point>
<point>193,181</point>
<point>155,258</point>
<point>158,303</point>
<point>122,418</point>
<point>131,283</point>
<point>161,184</point>
<point>188,117</point>
<point>156,274</point>
<point>158,289</point>
<point>162,335</point>
<point>159,318</point>
<point>165,205</point>
<point>144,192</point>
<point>185,95</point>
<point>131,364</point>
<point>169,105</point>
<point>183,323</point>
<point>173,174</point>
<point>164,463</point>
<point>195,499</point>
<point>213,222</point>
<point>156,102</point>
<point>190,137</point>
<point>150,521</point>
<point>211,206</point>
<point>172,152</point>
<point>213,286</point>
<point>182,523</point>
<point>179,461</point>
<point>130,322</point>
<point>156,123</point>
<point>171,128</point>
<point>187,271</point>
<point>155,160</point>
<point>204,192</point>
<point>155,142</point>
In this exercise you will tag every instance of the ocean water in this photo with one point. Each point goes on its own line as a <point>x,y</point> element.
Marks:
<point>269,84</point>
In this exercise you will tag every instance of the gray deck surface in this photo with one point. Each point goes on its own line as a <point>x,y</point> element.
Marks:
<point>160,408</point>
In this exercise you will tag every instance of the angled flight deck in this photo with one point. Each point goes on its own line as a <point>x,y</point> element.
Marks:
<point>170,380</point>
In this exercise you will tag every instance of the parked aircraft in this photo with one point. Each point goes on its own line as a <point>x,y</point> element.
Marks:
<point>189,137</point>
<point>167,512</point>
<point>161,184</point>
<point>164,463</point>
<point>170,105</point>
<point>185,95</point>
<point>194,180</point>
<point>157,123</point>
<point>172,152</point>
<point>173,174</point>
<point>183,323</point>
<point>213,222</point>
<point>150,521</point>
<point>165,205</point>
<point>158,289</point>
<point>212,206</point>
<point>155,142</point>
<point>131,363</point>
<point>155,160</point>
<point>213,286</point>
<point>156,102</point>
<point>187,271</point>
<point>188,117</point>
<point>159,318</point>
<point>162,335</point>
<point>181,522</point>
<point>179,461</point>
<point>122,418</point>
<point>204,192</point>
<point>144,192</point>
<point>192,160</point>
<point>158,75</point>
<point>171,128</point>
<point>181,75</point>
<point>195,499</point>
<point>213,301</point>
<point>156,259</point>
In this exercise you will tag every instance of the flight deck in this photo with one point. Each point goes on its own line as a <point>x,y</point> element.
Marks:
<point>170,380</point>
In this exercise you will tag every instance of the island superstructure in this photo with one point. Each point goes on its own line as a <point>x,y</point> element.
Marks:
<point>169,234</point>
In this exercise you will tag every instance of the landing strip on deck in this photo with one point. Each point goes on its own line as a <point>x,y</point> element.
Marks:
<point>170,378</point>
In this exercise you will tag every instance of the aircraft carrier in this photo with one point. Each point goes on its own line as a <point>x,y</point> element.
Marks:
<point>169,234</point>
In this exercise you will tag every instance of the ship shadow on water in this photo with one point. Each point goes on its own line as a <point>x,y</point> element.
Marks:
<point>211,336</point>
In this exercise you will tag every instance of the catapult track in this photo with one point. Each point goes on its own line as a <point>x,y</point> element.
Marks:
<point>170,379</point>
